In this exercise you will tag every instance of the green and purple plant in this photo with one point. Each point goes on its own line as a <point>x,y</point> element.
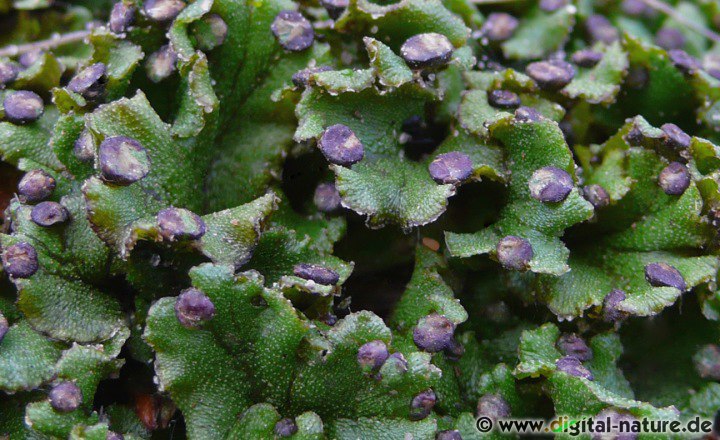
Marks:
<point>356,219</point>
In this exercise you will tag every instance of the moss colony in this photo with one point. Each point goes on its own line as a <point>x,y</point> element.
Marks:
<point>353,219</point>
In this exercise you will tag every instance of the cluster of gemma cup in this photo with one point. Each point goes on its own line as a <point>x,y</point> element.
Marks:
<point>435,335</point>
<point>548,185</point>
<point>340,145</point>
<point>120,161</point>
